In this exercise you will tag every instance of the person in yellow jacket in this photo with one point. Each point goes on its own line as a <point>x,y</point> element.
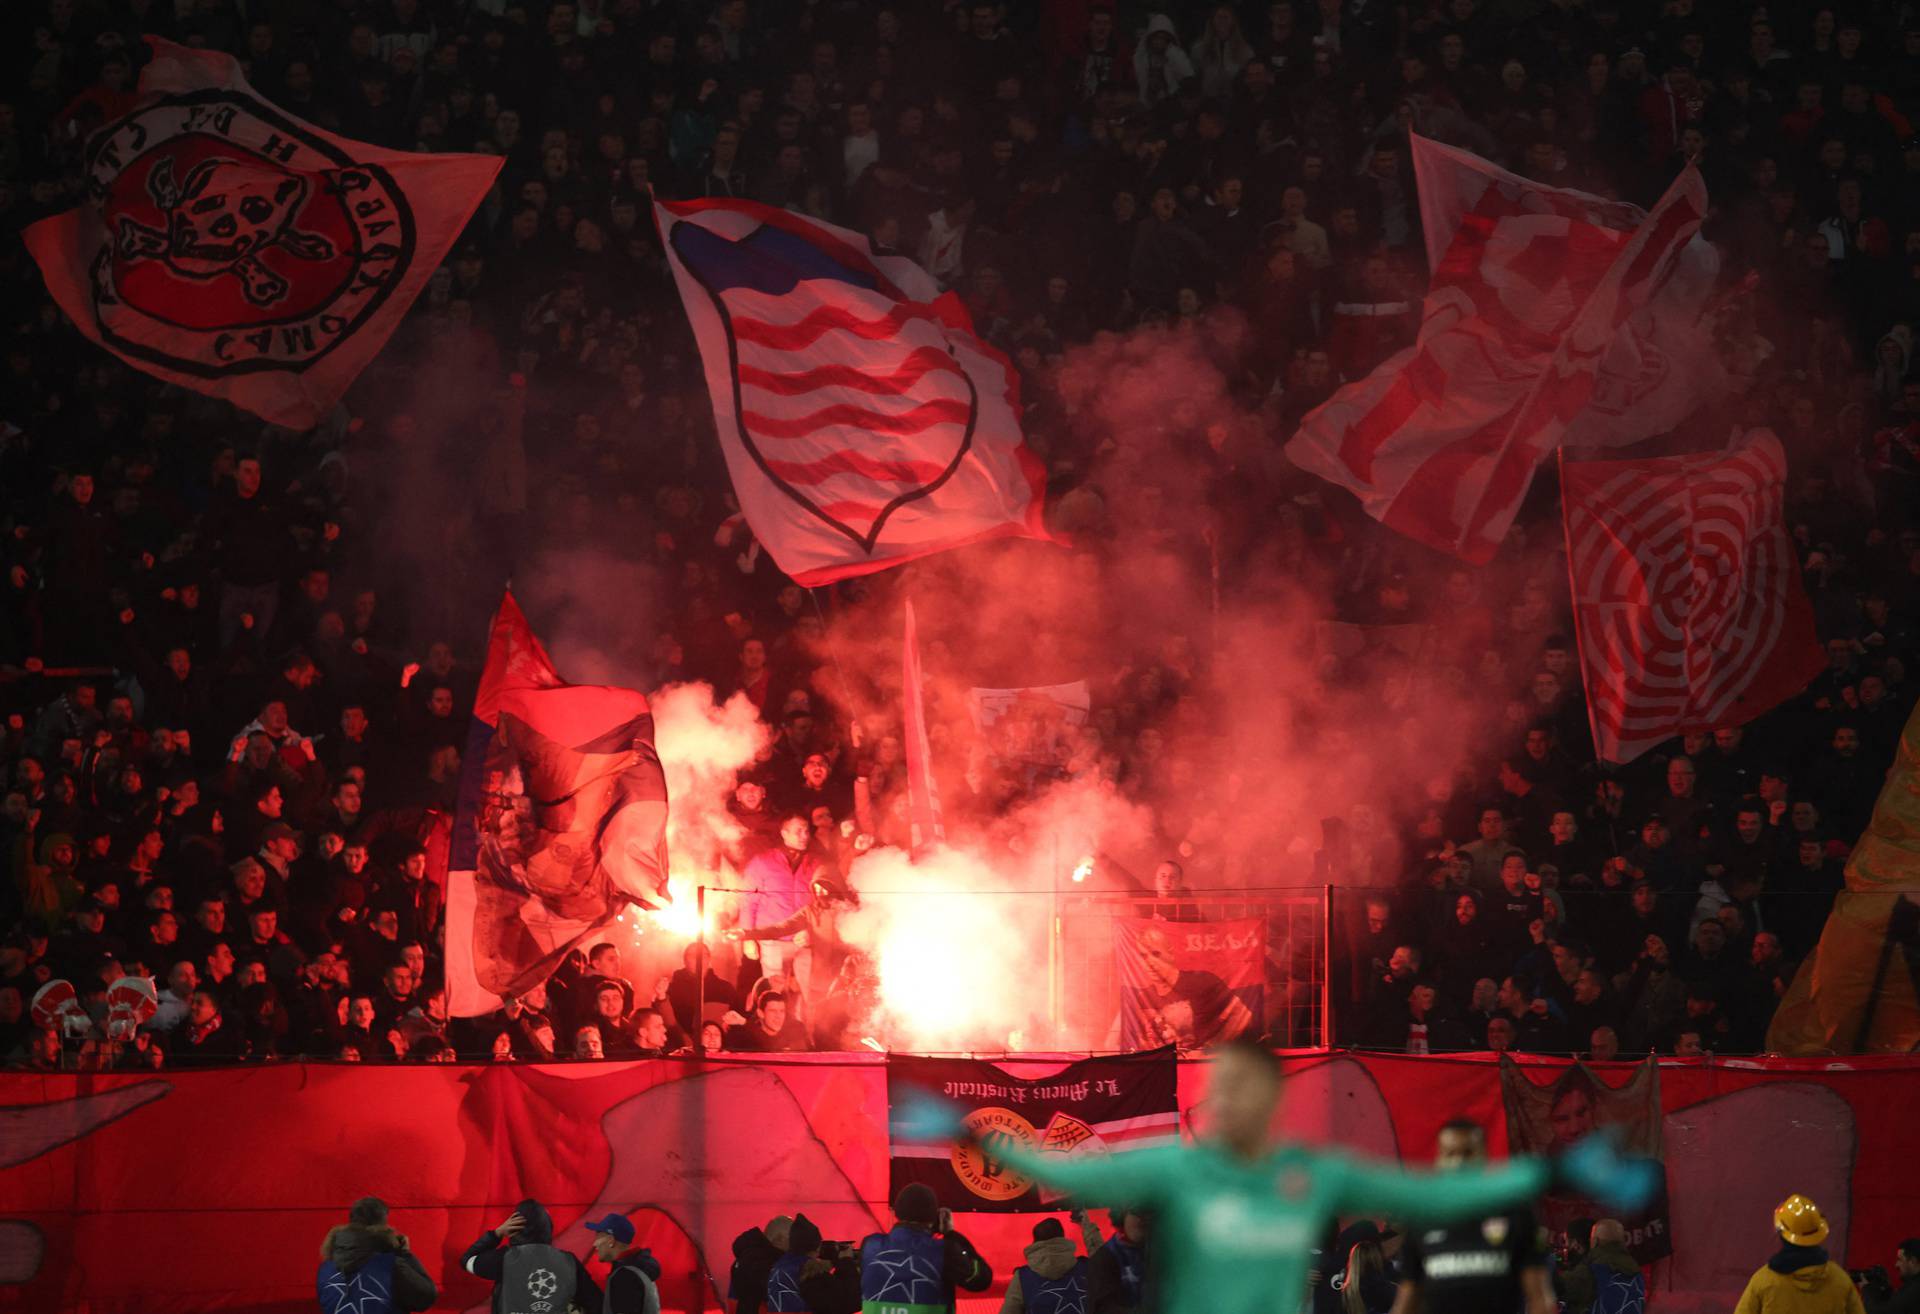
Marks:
<point>1800,1279</point>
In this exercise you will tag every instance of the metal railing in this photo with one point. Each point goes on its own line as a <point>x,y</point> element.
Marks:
<point>1294,1001</point>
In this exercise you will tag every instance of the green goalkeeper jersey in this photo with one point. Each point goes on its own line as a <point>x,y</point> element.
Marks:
<point>1234,1237</point>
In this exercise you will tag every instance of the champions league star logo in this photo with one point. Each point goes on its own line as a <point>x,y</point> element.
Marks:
<point>543,1284</point>
<point>903,1276</point>
<point>783,1292</point>
<point>232,240</point>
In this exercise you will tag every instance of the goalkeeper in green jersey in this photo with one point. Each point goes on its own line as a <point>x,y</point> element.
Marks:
<point>1236,1216</point>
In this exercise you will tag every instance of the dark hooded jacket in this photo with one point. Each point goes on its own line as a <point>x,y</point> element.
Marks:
<point>350,1246</point>
<point>753,1259</point>
<point>487,1258</point>
<point>626,1295</point>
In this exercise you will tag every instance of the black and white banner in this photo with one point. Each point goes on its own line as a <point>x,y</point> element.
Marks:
<point>1090,1107</point>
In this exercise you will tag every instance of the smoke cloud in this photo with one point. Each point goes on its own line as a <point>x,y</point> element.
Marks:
<point>1264,712</point>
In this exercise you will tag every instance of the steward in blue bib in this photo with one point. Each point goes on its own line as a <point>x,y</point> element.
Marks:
<point>783,1283</point>
<point>1054,1278</point>
<point>914,1268</point>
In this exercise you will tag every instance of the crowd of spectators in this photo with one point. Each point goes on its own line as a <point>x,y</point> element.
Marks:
<point>236,661</point>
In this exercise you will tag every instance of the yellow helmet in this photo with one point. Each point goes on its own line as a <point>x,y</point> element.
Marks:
<point>1800,1222</point>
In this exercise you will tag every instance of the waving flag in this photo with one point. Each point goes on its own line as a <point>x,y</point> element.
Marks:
<point>561,821</point>
<point>863,422</point>
<point>1686,592</point>
<point>238,251</point>
<point>1520,341</point>
<point>1859,991</point>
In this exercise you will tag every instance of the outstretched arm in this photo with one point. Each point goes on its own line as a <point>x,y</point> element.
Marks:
<point>1130,1177</point>
<point>1434,1197</point>
<point>1593,1167</point>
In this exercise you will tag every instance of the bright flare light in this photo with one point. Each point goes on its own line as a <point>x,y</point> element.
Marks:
<point>681,918</point>
<point>923,976</point>
<point>1084,870</point>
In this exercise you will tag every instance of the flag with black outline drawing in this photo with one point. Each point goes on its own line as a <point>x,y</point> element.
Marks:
<point>233,249</point>
<point>863,420</point>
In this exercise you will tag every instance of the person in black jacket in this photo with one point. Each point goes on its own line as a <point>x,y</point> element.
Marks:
<point>1879,1295</point>
<point>364,1237</point>
<point>528,1225</point>
<point>250,542</point>
<point>632,1273</point>
<point>1117,1269</point>
<point>755,1252</point>
<point>830,1281</point>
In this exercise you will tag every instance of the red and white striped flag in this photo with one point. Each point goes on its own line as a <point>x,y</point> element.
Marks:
<point>1686,592</point>
<point>1532,287</point>
<point>863,421</point>
<point>923,795</point>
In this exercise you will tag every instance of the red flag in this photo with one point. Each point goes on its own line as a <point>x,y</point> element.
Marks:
<point>1686,592</point>
<point>1190,984</point>
<point>1527,300</point>
<point>241,252</point>
<point>561,822</point>
<point>863,421</point>
<point>923,796</point>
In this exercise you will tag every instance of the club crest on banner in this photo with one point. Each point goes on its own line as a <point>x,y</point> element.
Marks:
<point>1093,1107</point>
<point>986,1176</point>
<point>233,240</point>
<point>978,1170</point>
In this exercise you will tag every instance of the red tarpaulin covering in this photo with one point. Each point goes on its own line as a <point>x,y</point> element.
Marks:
<point>211,1190</point>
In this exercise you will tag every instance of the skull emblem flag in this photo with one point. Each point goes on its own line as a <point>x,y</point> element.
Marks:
<point>222,220</point>
<point>233,249</point>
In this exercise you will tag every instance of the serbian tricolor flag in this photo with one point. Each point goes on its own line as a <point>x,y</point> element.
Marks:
<point>864,423</point>
<point>233,249</point>
<point>1520,343</point>
<point>561,823</point>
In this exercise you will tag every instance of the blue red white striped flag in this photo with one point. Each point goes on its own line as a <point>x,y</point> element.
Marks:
<point>560,825</point>
<point>864,422</point>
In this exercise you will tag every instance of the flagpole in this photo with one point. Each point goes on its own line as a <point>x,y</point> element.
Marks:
<point>1573,599</point>
<point>1053,943</point>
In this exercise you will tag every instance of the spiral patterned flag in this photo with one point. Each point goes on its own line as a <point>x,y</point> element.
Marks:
<point>1686,592</point>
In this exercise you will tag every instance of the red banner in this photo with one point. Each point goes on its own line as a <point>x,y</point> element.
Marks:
<point>1190,984</point>
<point>1545,1117</point>
<point>150,1194</point>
